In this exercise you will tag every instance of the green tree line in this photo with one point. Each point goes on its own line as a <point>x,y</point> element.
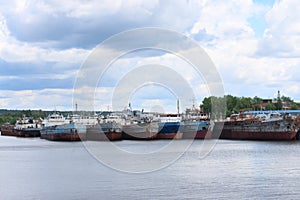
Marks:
<point>235,104</point>
<point>11,116</point>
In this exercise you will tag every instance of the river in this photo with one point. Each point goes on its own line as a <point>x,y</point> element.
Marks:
<point>41,169</point>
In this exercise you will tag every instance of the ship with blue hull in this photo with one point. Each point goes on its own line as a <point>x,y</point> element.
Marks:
<point>169,126</point>
<point>64,132</point>
<point>169,130</point>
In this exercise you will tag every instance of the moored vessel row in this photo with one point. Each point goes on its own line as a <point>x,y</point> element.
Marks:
<point>138,125</point>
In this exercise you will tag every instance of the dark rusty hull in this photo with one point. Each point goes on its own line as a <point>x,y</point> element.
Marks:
<point>169,130</point>
<point>9,130</point>
<point>145,131</point>
<point>146,135</point>
<point>253,135</point>
<point>201,134</point>
<point>279,130</point>
<point>169,136</point>
<point>111,136</point>
<point>94,133</point>
<point>64,137</point>
<point>9,133</point>
<point>29,133</point>
<point>64,132</point>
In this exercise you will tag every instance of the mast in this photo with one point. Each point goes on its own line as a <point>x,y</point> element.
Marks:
<point>178,106</point>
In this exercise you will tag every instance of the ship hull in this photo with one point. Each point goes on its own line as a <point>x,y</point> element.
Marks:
<point>169,136</point>
<point>9,133</point>
<point>202,134</point>
<point>143,131</point>
<point>65,132</point>
<point>141,135</point>
<point>8,130</point>
<point>169,130</point>
<point>254,135</point>
<point>30,132</point>
<point>103,133</point>
<point>195,130</point>
<point>279,130</point>
<point>63,137</point>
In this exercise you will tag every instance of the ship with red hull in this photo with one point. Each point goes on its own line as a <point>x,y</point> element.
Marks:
<point>25,127</point>
<point>258,128</point>
<point>195,124</point>
<point>169,130</point>
<point>169,126</point>
<point>196,129</point>
<point>9,130</point>
<point>140,131</point>
<point>108,131</point>
<point>64,132</point>
<point>137,125</point>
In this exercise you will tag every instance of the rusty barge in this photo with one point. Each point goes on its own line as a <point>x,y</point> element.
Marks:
<point>25,127</point>
<point>259,127</point>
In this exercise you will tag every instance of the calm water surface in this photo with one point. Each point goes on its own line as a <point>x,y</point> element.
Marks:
<point>40,169</point>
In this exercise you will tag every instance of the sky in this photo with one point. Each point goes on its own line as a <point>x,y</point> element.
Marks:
<point>253,44</point>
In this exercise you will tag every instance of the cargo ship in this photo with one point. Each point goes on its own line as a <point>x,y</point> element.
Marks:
<point>25,127</point>
<point>140,131</point>
<point>259,127</point>
<point>55,119</point>
<point>108,129</point>
<point>86,120</point>
<point>137,125</point>
<point>195,124</point>
<point>56,127</point>
<point>8,130</point>
<point>195,129</point>
<point>169,125</point>
<point>64,132</point>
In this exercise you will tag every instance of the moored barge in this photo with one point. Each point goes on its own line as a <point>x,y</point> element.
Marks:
<point>169,130</point>
<point>196,129</point>
<point>258,128</point>
<point>8,130</point>
<point>106,131</point>
<point>140,131</point>
<point>169,126</point>
<point>25,127</point>
<point>64,132</point>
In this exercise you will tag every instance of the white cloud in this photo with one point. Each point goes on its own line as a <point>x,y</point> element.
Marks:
<point>62,33</point>
<point>12,50</point>
<point>237,51</point>
<point>48,99</point>
<point>281,38</point>
<point>225,20</point>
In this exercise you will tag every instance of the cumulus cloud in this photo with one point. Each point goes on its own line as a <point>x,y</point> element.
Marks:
<point>281,37</point>
<point>249,64</point>
<point>43,44</point>
<point>61,99</point>
<point>83,24</point>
